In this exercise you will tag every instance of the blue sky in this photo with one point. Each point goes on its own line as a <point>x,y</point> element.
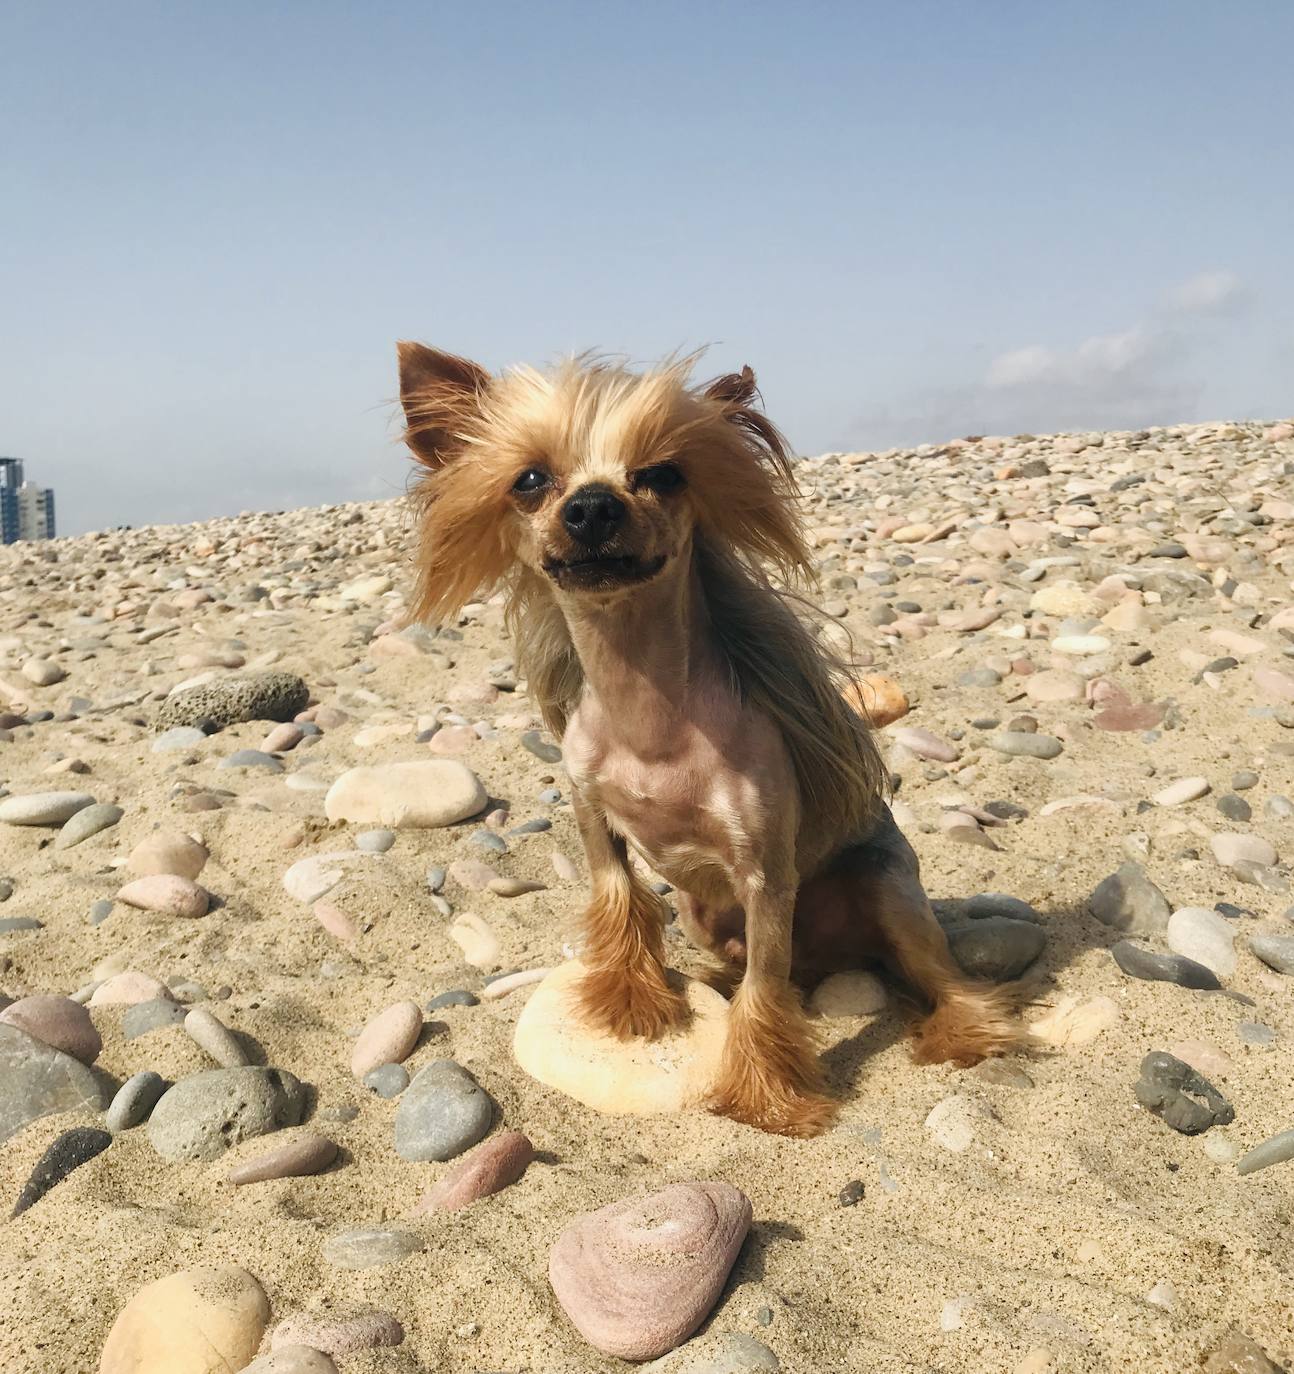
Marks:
<point>914,220</point>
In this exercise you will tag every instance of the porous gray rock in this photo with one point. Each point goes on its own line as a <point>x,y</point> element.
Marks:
<point>231,700</point>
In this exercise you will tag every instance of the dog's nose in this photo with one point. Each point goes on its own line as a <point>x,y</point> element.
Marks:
<point>592,515</point>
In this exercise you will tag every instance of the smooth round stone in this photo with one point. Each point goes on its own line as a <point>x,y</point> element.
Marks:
<point>1129,901</point>
<point>90,820</point>
<point>168,851</point>
<point>985,904</point>
<point>996,948</point>
<point>952,1122</point>
<point>472,874</point>
<point>634,1077</point>
<point>179,737</point>
<point>542,749</point>
<point>1235,808</point>
<point>305,1154</point>
<point>1021,744</point>
<point>1279,808</point>
<point>565,867</point>
<point>140,1018</point>
<point>455,997</point>
<point>852,993</point>
<point>368,1247</point>
<point>1163,968</point>
<point>1180,792</point>
<point>99,911</point>
<point>1080,646</point>
<point>11,924</point>
<point>1202,935</point>
<point>513,887</point>
<point>387,1080</point>
<point>282,738</point>
<point>550,796</point>
<point>389,1038</point>
<point>37,1080</point>
<point>340,1331</point>
<point>424,794</point>
<point>292,1359</point>
<point>925,745</point>
<point>252,758</point>
<point>44,808</point>
<point>375,841</point>
<point>43,672</point>
<point>487,839</point>
<point>1276,951</point>
<point>67,1152</point>
<point>537,826</point>
<point>1230,850</point>
<point>638,1277</point>
<point>166,894</point>
<point>1276,1149</point>
<point>1255,1033</point>
<point>128,987</point>
<point>729,1352</point>
<point>1179,1096</point>
<point>206,1113</point>
<point>57,1021</point>
<point>436,879</point>
<point>442,1112</point>
<point>133,1101</point>
<point>309,879</point>
<point>212,1035</point>
<point>492,1166</point>
<point>236,698</point>
<point>1243,780</point>
<point>199,1321</point>
<point>1055,685</point>
<point>1203,1058</point>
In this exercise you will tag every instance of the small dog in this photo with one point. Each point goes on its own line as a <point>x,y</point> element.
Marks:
<point>630,518</point>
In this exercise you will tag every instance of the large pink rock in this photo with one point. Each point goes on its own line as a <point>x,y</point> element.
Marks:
<point>167,894</point>
<point>58,1021</point>
<point>489,1169</point>
<point>389,1038</point>
<point>338,1331</point>
<point>638,1277</point>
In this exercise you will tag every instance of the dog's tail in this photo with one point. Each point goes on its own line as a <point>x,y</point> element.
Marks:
<point>972,1020</point>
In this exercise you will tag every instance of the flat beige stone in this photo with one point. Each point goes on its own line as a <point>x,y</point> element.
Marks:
<point>621,1077</point>
<point>424,794</point>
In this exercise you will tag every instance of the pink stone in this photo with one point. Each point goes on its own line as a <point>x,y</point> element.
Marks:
<point>638,1277</point>
<point>452,739</point>
<point>1124,716</point>
<point>388,1038</point>
<point>166,851</point>
<point>334,920</point>
<point>307,1154</point>
<point>165,893</point>
<point>472,874</point>
<point>489,1169</point>
<point>282,738</point>
<point>57,1021</point>
<point>1271,682</point>
<point>341,1331</point>
<point>125,989</point>
<point>925,744</point>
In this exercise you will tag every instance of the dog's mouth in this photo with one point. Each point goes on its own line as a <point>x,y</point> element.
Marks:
<point>598,571</point>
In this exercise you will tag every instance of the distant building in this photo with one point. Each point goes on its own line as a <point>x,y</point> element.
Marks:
<point>26,510</point>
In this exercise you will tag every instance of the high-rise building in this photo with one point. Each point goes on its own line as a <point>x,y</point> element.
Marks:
<point>26,510</point>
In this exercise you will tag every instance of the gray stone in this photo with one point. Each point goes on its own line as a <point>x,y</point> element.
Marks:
<point>1179,1096</point>
<point>443,1112</point>
<point>436,879</point>
<point>1235,808</point>
<point>11,924</point>
<point>37,1080</point>
<point>1275,1149</point>
<point>387,1080</point>
<point>1129,901</point>
<point>532,827</point>
<point>88,821</point>
<point>367,1247</point>
<point>1276,951</point>
<point>43,808</point>
<point>133,1101</point>
<point>455,997</point>
<point>985,904</point>
<point>1138,962</point>
<point>732,1352</point>
<point>252,758</point>
<point>100,911</point>
<point>375,841</point>
<point>141,1017</point>
<point>230,700</point>
<point>180,737</point>
<point>206,1113</point>
<point>67,1152</point>
<point>1255,1033</point>
<point>996,948</point>
<point>1021,744</point>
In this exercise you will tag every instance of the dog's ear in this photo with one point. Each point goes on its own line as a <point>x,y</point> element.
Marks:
<point>734,389</point>
<point>439,392</point>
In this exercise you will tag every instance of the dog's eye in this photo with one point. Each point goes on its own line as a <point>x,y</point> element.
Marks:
<point>532,480</point>
<point>661,477</point>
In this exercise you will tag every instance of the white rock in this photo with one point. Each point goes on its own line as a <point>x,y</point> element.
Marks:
<point>1228,849</point>
<point>478,942</point>
<point>309,879</point>
<point>423,794</point>
<point>853,993</point>
<point>43,808</point>
<point>953,1120</point>
<point>1204,936</point>
<point>1182,791</point>
<point>1080,645</point>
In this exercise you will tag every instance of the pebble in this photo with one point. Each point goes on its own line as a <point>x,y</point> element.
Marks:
<point>388,1038</point>
<point>231,700</point>
<point>252,758</point>
<point>387,1080</point>
<point>1129,901</point>
<point>1204,936</point>
<point>510,982</point>
<point>1180,792</point>
<point>1071,1022</point>
<point>199,1321</point>
<point>455,997</point>
<point>283,738</point>
<point>1139,962</point>
<point>204,1114</point>
<point>133,1101</point>
<point>542,749</point>
<point>425,794</point>
<point>375,841</point>
<point>1276,951</point>
<point>478,942</point>
<point>90,820</point>
<point>926,745</point>
<point>128,987</point>
<point>513,887</point>
<point>212,1035</point>
<point>309,879</point>
<point>166,894</point>
<point>492,1166</point>
<point>852,1193</point>
<point>56,1021</point>
<point>368,1247</point>
<point>632,1077</point>
<point>1021,744</point>
<point>1235,808</point>
<point>852,993</point>
<point>1237,1353</point>
<point>292,1359</point>
<point>1276,1149</point>
<point>442,1112</point>
<point>728,1352</point>
<point>168,852</point>
<point>67,1152</point>
<point>37,1080</point>
<point>306,1153</point>
<point>43,672</point>
<point>638,1277</point>
<point>953,1121</point>
<point>342,1330</point>
<point>1179,1096</point>
<point>178,737</point>
<point>1232,850</point>
<point>996,948</point>
<point>43,808</point>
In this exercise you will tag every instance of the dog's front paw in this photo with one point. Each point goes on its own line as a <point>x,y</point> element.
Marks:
<point>630,1004</point>
<point>780,1108</point>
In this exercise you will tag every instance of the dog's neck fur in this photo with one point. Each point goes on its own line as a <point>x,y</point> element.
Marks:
<point>644,654</point>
